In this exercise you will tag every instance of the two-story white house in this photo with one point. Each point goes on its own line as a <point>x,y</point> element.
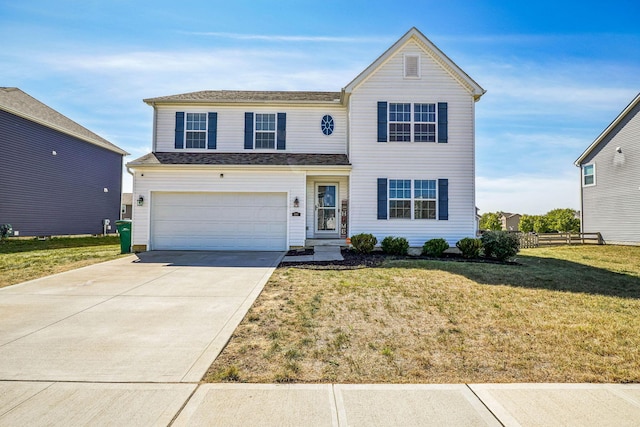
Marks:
<point>392,153</point>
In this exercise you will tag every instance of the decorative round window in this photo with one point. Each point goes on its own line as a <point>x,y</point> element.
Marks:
<point>327,125</point>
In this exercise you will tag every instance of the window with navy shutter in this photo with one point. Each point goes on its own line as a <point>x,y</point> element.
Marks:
<point>179,136</point>
<point>212,131</point>
<point>382,121</point>
<point>382,198</point>
<point>443,131</point>
<point>443,199</point>
<point>248,131</point>
<point>282,131</point>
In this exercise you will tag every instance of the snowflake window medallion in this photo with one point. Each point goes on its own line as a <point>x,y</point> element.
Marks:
<point>327,125</point>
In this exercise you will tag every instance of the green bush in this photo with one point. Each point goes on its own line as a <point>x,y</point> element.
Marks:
<point>395,245</point>
<point>363,242</point>
<point>469,247</point>
<point>5,231</point>
<point>500,244</point>
<point>435,247</point>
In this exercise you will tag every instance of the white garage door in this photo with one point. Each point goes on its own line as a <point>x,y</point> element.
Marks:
<point>219,221</point>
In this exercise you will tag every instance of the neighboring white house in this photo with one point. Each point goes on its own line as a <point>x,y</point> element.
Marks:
<point>392,153</point>
<point>610,180</point>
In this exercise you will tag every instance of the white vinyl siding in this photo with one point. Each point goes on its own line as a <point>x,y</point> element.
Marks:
<point>372,160</point>
<point>304,133</point>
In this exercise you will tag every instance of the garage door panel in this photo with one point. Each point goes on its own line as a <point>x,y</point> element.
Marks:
<point>219,221</point>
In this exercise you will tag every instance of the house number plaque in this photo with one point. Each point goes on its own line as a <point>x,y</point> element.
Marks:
<point>344,215</point>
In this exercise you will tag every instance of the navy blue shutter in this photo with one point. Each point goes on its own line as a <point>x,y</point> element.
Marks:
<point>443,133</point>
<point>382,198</point>
<point>443,199</point>
<point>248,131</point>
<point>282,131</point>
<point>382,121</point>
<point>179,141</point>
<point>212,132</point>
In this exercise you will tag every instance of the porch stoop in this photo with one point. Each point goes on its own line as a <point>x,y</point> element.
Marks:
<point>310,243</point>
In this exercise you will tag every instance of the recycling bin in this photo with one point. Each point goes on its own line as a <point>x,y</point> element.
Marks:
<point>124,229</point>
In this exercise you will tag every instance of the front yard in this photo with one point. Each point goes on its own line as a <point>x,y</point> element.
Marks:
<point>27,259</point>
<point>567,314</point>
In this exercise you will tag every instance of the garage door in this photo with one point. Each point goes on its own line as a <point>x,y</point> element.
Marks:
<point>219,221</point>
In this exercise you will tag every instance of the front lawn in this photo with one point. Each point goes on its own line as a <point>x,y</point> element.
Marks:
<point>567,314</point>
<point>27,259</point>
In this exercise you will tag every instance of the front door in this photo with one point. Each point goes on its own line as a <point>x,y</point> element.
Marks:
<point>326,208</point>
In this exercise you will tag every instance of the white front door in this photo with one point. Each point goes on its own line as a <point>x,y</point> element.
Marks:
<point>326,209</point>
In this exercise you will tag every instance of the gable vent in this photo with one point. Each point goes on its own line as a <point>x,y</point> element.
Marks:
<point>412,66</point>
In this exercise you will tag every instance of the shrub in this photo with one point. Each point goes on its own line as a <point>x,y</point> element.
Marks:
<point>363,242</point>
<point>500,244</point>
<point>435,247</point>
<point>395,245</point>
<point>469,247</point>
<point>5,231</point>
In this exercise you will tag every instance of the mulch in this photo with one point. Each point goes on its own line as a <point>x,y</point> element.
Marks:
<point>354,260</point>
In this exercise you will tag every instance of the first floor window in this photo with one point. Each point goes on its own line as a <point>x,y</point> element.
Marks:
<point>265,131</point>
<point>400,198</point>
<point>196,130</point>
<point>588,175</point>
<point>424,204</point>
<point>412,199</point>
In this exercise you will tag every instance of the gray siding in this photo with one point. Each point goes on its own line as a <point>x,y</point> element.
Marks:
<point>612,206</point>
<point>46,194</point>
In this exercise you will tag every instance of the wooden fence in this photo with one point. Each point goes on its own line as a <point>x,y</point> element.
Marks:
<point>533,240</point>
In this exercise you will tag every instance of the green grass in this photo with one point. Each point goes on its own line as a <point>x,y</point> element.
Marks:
<point>566,314</point>
<point>28,259</point>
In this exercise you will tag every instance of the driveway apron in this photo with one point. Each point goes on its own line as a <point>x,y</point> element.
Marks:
<point>158,317</point>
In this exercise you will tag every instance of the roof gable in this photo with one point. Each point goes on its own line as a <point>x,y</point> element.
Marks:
<point>19,103</point>
<point>436,54</point>
<point>603,136</point>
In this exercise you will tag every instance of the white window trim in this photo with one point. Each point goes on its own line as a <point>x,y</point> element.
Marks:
<point>412,122</point>
<point>582,175</point>
<point>255,132</point>
<point>206,131</point>
<point>412,199</point>
<point>404,66</point>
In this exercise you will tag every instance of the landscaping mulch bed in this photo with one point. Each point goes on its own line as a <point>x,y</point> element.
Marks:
<point>354,260</point>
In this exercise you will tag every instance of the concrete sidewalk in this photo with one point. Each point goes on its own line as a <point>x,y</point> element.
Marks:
<point>310,405</point>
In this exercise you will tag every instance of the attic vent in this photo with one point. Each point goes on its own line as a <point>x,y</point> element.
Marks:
<point>412,66</point>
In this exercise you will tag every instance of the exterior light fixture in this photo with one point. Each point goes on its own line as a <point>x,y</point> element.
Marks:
<point>140,201</point>
<point>296,203</point>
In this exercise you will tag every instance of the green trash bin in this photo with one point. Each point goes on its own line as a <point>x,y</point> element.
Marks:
<point>124,229</point>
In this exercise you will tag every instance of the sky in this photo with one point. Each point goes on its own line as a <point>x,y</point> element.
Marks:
<point>557,73</point>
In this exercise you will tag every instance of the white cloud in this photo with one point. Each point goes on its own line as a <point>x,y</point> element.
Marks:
<point>528,194</point>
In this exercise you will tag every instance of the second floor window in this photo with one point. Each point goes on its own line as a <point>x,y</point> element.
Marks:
<point>412,122</point>
<point>265,131</point>
<point>196,130</point>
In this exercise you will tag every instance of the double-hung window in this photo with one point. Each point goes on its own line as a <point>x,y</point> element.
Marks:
<point>412,122</point>
<point>400,122</point>
<point>196,130</point>
<point>424,118</point>
<point>424,199</point>
<point>412,199</point>
<point>400,198</point>
<point>588,175</point>
<point>265,131</point>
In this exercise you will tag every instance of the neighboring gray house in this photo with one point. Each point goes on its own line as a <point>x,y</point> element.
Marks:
<point>56,178</point>
<point>610,180</point>
<point>510,221</point>
<point>127,206</point>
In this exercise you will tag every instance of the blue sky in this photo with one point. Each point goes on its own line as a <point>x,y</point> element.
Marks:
<point>556,73</point>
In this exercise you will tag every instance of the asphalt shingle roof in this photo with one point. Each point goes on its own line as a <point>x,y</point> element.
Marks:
<point>247,96</point>
<point>249,159</point>
<point>19,103</point>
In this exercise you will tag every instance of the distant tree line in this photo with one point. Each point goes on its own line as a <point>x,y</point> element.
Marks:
<point>556,220</point>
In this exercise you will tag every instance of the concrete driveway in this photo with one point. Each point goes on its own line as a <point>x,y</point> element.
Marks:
<point>159,317</point>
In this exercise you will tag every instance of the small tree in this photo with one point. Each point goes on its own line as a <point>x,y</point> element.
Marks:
<point>563,220</point>
<point>526,224</point>
<point>541,224</point>
<point>490,221</point>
